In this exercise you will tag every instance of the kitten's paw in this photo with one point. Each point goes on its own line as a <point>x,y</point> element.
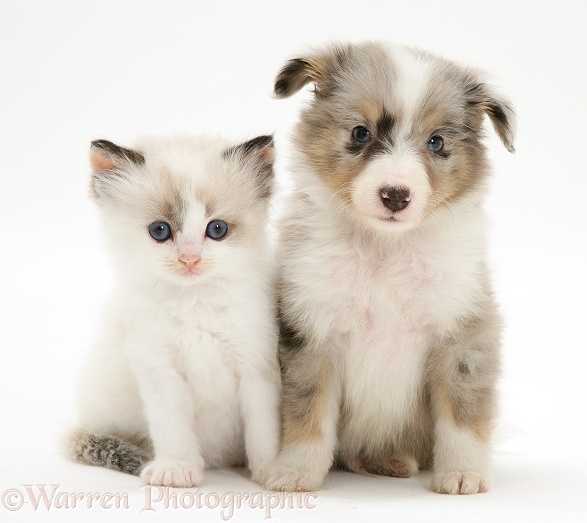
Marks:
<point>259,472</point>
<point>291,479</point>
<point>403,468</point>
<point>459,483</point>
<point>172,474</point>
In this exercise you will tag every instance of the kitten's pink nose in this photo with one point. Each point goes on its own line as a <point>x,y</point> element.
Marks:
<point>189,260</point>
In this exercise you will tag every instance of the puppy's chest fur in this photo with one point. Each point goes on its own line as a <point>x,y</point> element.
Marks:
<point>384,322</point>
<point>383,295</point>
<point>378,309</point>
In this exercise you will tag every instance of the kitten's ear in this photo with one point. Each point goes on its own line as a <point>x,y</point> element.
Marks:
<point>108,162</point>
<point>498,108</point>
<point>261,147</point>
<point>106,157</point>
<point>260,153</point>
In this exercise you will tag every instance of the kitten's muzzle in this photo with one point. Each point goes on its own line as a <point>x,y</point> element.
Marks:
<point>395,198</point>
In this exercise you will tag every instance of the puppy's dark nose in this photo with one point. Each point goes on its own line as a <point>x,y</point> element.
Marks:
<point>395,198</point>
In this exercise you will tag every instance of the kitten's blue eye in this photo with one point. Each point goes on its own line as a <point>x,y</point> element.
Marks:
<point>435,143</point>
<point>216,229</point>
<point>361,134</point>
<point>160,231</point>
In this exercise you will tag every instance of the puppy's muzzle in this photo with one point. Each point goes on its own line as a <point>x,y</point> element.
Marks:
<point>395,198</point>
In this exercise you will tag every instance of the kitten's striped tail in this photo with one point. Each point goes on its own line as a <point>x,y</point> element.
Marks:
<point>107,451</point>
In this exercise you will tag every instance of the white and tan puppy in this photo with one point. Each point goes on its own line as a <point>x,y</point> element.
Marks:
<point>390,336</point>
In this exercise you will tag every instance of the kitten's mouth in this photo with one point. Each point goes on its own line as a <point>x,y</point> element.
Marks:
<point>189,272</point>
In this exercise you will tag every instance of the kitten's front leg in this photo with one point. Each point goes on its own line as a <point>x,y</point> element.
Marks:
<point>169,409</point>
<point>462,376</point>
<point>259,399</point>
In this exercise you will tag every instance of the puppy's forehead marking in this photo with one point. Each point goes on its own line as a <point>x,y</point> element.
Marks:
<point>411,83</point>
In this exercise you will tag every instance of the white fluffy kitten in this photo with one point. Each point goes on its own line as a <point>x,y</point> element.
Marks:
<point>184,375</point>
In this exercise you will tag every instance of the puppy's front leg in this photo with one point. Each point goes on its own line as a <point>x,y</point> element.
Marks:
<point>462,375</point>
<point>310,409</point>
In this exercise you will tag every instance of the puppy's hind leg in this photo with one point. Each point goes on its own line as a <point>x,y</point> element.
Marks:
<point>310,410</point>
<point>397,468</point>
<point>461,377</point>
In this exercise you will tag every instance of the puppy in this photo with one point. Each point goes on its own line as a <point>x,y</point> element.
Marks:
<point>390,336</point>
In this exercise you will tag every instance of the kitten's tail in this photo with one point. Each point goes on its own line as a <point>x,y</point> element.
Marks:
<point>107,451</point>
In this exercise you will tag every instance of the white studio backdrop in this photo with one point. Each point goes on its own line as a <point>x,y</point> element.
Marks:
<point>73,71</point>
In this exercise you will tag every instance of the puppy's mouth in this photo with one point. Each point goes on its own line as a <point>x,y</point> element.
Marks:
<point>390,220</point>
<point>391,216</point>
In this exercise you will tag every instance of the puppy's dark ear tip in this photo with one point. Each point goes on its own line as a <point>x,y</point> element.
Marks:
<point>280,88</point>
<point>510,147</point>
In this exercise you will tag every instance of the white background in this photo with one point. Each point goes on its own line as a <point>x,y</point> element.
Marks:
<point>75,71</point>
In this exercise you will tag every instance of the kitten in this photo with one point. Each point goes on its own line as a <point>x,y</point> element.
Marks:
<point>184,375</point>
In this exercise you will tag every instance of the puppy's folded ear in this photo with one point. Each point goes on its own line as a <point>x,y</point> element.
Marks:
<point>259,153</point>
<point>498,108</point>
<point>298,72</point>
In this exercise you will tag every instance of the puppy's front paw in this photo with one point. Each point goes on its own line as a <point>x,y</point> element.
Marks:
<point>459,483</point>
<point>291,479</point>
<point>172,474</point>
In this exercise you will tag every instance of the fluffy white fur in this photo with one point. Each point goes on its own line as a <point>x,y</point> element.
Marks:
<point>187,358</point>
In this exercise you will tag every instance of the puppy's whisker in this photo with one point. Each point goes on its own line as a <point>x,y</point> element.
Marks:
<point>341,201</point>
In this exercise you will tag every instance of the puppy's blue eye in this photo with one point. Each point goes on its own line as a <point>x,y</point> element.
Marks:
<point>160,231</point>
<point>435,144</point>
<point>361,134</point>
<point>216,229</point>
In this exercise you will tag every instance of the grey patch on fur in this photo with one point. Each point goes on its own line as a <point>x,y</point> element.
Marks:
<point>291,338</point>
<point>108,451</point>
<point>463,368</point>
